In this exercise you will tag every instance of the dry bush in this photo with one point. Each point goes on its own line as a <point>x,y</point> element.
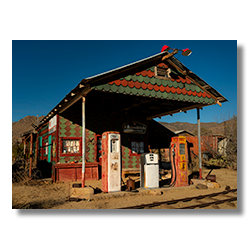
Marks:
<point>21,174</point>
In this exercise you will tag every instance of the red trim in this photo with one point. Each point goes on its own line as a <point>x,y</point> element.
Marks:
<point>200,173</point>
<point>70,138</point>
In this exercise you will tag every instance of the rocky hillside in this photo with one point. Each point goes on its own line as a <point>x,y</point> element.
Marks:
<point>207,128</point>
<point>23,125</point>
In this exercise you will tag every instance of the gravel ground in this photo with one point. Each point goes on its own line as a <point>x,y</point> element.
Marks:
<point>46,195</point>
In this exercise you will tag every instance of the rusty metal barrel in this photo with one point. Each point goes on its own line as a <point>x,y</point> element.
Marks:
<point>211,178</point>
<point>130,184</point>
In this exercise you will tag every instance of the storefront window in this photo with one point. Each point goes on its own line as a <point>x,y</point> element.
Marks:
<point>137,147</point>
<point>71,146</point>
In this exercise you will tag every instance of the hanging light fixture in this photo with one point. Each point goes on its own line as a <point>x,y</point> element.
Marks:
<point>165,47</point>
<point>186,52</point>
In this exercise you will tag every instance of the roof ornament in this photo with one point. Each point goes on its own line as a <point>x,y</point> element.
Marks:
<point>185,52</point>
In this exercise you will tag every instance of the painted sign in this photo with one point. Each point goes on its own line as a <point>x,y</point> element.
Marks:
<point>134,128</point>
<point>52,124</point>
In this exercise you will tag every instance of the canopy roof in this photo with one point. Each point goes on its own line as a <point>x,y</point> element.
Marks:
<point>138,88</point>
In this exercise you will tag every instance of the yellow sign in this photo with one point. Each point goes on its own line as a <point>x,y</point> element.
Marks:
<point>182,139</point>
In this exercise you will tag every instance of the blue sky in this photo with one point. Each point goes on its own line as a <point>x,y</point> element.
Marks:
<point>43,72</point>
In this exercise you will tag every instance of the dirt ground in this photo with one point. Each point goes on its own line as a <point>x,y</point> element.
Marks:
<point>46,195</point>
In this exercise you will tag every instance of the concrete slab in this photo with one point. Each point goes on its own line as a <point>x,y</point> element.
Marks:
<point>82,193</point>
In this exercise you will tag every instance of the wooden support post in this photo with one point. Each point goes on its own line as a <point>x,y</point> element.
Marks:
<point>199,141</point>
<point>83,141</point>
<point>24,147</point>
<point>169,55</point>
<point>31,154</point>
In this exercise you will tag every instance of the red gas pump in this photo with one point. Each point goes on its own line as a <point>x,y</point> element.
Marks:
<point>179,159</point>
<point>111,162</point>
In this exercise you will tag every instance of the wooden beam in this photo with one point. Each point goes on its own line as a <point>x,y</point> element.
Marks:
<point>84,92</point>
<point>199,141</point>
<point>31,155</point>
<point>176,111</point>
<point>169,55</point>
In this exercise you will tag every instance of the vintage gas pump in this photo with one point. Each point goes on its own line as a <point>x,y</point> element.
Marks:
<point>111,162</point>
<point>149,171</point>
<point>179,161</point>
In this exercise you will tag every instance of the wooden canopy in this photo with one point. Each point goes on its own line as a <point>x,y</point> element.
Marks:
<point>137,89</point>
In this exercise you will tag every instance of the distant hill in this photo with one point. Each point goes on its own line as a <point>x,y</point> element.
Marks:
<point>23,125</point>
<point>207,128</point>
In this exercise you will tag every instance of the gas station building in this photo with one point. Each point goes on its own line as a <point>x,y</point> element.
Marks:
<point>68,140</point>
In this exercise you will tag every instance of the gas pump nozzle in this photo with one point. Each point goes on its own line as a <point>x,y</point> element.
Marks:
<point>173,151</point>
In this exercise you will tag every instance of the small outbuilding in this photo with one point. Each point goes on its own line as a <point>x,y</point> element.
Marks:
<point>183,133</point>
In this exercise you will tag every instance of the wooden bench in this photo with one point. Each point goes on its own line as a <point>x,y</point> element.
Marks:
<point>130,171</point>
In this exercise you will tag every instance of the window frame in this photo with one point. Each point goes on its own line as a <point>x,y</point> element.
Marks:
<point>70,154</point>
<point>161,77</point>
<point>138,141</point>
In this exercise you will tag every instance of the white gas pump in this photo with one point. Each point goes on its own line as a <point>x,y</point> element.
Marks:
<point>111,162</point>
<point>149,174</point>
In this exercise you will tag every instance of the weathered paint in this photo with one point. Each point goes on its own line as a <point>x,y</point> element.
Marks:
<point>73,172</point>
<point>111,162</point>
<point>180,161</point>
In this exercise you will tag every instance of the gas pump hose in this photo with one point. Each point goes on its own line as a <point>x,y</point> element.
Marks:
<point>173,169</point>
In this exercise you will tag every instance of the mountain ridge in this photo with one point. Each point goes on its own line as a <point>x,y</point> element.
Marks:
<point>207,128</point>
<point>24,125</point>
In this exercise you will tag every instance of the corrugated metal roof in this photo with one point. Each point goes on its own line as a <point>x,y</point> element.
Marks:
<point>126,66</point>
<point>182,131</point>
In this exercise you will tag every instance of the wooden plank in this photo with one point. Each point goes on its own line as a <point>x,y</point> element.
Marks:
<point>161,71</point>
<point>73,172</point>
